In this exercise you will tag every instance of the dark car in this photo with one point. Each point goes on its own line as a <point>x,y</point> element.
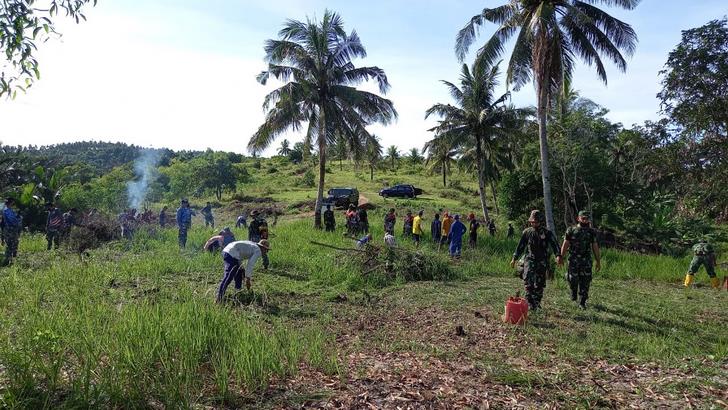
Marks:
<point>342,197</point>
<point>401,191</point>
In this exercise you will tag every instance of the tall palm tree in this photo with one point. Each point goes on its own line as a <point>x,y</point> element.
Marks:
<point>285,148</point>
<point>373,153</point>
<point>478,118</point>
<point>440,156</point>
<point>314,61</point>
<point>393,154</point>
<point>550,36</point>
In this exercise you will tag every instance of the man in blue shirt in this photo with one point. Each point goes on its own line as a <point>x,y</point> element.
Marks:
<point>11,226</point>
<point>457,230</point>
<point>184,221</point>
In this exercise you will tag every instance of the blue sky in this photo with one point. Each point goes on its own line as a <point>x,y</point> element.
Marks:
<point>181,73</point>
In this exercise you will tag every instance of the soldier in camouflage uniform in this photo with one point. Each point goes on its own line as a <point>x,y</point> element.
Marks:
<point>535,241</point>
<point>704,255</point>
<point>580,241</point>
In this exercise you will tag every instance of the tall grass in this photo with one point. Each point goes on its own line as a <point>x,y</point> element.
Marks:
<point>133,330</point>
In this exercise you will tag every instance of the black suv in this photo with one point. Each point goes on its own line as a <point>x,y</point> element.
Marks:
<point>401,191</point>
<point>342,197</point>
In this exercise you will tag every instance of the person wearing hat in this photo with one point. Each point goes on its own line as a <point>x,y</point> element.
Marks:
<point>704,254</point>
<point>457,230</point>
<point>258,230</point>
<point>473,231</point>
<point>535,242</point>
<point>580,241</point>
<point>233,255</point>
<point>184,221</point>
<point>219,241</point>
<point>12,224</point>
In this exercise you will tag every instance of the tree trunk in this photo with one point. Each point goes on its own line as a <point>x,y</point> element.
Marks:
<point>481,179</point>
<point>371,172</point>
<point>444,176</point>
<point>548,201</point>
<point>495,196</point>
<point>322,169</point>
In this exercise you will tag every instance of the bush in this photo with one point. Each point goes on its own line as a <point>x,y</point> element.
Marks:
<point>92,233</point>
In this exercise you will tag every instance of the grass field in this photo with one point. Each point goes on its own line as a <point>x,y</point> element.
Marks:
<point>134,325</point>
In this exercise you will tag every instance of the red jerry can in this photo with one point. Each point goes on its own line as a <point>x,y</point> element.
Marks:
<point>516,311</point>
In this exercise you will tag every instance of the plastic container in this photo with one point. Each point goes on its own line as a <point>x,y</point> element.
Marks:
<point>516,311</point>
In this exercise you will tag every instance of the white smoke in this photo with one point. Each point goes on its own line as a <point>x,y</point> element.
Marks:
<point>145,168</point>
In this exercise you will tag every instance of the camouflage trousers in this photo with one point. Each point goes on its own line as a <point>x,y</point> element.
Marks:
<point>534,279</point>
<point>182,235</point>
<point>53,236</point>
<point>11,236</point>
<point>579,276</point>
<point>699,260</point>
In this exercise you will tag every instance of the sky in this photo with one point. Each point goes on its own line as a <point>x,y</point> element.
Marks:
<point>181,73</point>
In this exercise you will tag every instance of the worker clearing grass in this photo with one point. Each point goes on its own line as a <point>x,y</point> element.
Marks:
<point>233,255</point>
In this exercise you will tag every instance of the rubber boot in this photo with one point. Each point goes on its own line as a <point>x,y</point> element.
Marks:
<point>582,303</point>
<point>689,280</point>
<point>714,283</point>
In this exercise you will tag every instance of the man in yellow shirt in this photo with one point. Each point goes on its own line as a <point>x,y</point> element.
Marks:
<point>417,228</point>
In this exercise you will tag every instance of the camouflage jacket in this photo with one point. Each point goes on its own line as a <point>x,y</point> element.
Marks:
<point>580,243</point>
<point>703,249</point>
<point>536,243</point>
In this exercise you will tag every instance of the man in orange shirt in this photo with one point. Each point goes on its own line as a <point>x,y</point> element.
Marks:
<point>446,224</point>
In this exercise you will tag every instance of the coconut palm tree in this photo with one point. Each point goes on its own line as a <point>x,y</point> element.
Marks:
<point>479,118</point>
<point>550,36</point>
<point>440,156</point>
<point>314,61</point>
<point>414,156</point>
<point>285,148</point>
<point>393,154</point>
<point>373,153</point>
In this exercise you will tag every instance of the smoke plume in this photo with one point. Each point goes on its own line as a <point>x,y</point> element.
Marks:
<point>145,168</point>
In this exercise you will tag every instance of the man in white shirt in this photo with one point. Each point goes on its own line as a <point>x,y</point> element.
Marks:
<point>233,255</point>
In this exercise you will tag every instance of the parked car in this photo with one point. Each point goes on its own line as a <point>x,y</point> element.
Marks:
<point>342,197</point>
<point>401,191</point>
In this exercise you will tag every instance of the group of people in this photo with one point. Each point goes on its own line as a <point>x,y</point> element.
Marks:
<point>537,243</point>
<point>448,231</point>
<point>357,220</point>
<point>535,247</point>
